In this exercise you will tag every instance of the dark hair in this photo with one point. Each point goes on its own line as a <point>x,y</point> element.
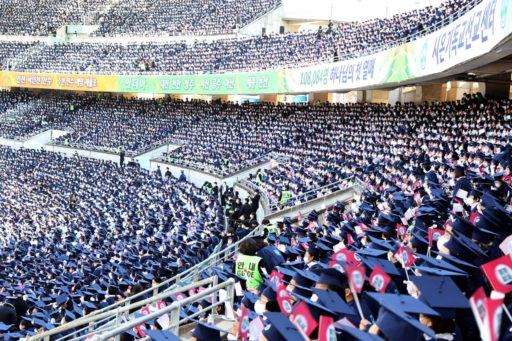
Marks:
<point>440,325</point>
<point>248,247</point>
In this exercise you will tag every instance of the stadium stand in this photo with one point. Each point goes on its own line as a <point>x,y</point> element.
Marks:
<point>42,17</point>
<point>100,250</point>
<point>100,223</point>
<point>406,158</point>
<point>254,53</point>
<point>146,18</point>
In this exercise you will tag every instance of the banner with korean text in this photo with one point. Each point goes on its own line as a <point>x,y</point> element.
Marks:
<point>57,81</point>
<point>472,35</point>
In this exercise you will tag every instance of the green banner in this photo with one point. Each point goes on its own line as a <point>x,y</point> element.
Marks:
<point>212,84</point>
<point>74,29</point>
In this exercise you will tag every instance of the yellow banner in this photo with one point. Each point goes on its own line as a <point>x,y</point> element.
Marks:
<point>58,81</point>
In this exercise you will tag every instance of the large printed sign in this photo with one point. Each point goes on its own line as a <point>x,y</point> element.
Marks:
<point>476,33</point>
<point>58,81</point>
<point>228,83</point>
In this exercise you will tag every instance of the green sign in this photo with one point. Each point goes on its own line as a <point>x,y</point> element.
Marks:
<point>74,29</point>
<point>211,84</point>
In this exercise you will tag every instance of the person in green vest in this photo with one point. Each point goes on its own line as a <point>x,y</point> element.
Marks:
<point>248,265</point>
<point>285,196</point>
<point>259,177</point>
<point>269,228</point>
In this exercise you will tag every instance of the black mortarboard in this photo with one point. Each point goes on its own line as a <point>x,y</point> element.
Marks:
<point>280,328</point>
<point>332,277</point>
<point>207,332</point>
<point>333,301</point>
<point>354,334</point>
<point>387,266</point>
<point>161,335</point>
<point>441,293</point>
<point>395,324</point>
<point>405,303</point>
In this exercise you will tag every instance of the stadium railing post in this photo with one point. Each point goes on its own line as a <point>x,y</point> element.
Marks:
<point>175,320</point>
<point>118,321</point>
<point>214,297</point>
<point>230,300</point>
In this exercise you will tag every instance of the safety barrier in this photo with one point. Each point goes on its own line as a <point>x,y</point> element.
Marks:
<point>190,275</point>
<point>111,321</point>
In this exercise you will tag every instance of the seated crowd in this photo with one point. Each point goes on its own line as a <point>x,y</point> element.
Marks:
<point>131,17</point>
<point>402,261</point>
<point>231,137</point>
<point>79,234</point>
<point>99,123</point>
<point>436,207</point>
<point>254,53</point>
<point>163,17</point>
<point>42,17</point>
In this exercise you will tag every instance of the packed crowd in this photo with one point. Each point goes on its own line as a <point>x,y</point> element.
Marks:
<point>255,53</point>
<point>130,17</point>
<point>43,17</point>
<point>100,123</point>
<point>231,137</point>
<point>428,232</point>
<point>78,234</point>
<point>423,254</point>
<point>106,124</point>
<point>346,140</point>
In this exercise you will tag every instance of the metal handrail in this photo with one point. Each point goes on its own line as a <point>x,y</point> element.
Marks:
<point>431,28</point>
<point>174,310</point>
<point>101,317</point>
<point>276,206</point>
<point>253,187</point>
<point>244,165</point>
<point>213,260</point>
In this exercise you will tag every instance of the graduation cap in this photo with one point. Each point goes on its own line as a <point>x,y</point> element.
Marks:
<point>461,246</point>
<point>305,278</point>
<point>287,273</point>
<point>61,299</point>
<point>43,324</point>
<point>316,308</point>
<point>366,207</point>
<point>269,292</point>
<point>204,331</point>
<point>387,266</point>
<point>441,294</point>
<point>394,323</point>
<point>371,252</point>
<point>354,334</point>
<point>331,277</point>
<point>89,305</point>
<point>5,327</point>
<point>405,303</point>
<point>382,244</point>
<point>333,301</point>
<point>462,226</point>
<point>456,261</point>
<point>280,328</point>
<point>438,263</point>
<point>161,335</point>
<point>13,336</point>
